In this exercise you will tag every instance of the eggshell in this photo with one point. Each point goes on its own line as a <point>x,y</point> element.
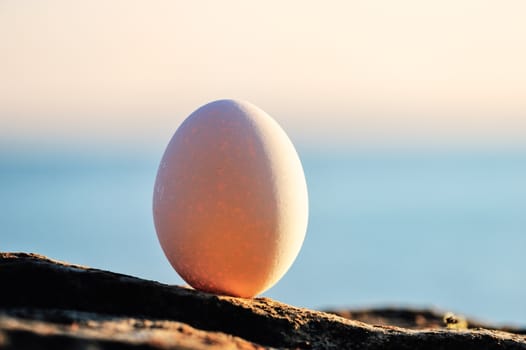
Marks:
<point>230,201</point>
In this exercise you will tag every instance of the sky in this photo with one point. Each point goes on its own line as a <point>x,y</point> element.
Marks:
<point>351,74</point>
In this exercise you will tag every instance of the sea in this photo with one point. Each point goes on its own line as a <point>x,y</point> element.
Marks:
<point>445,230</point>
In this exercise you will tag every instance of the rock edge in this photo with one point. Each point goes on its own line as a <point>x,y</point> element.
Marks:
<point>47,304</point>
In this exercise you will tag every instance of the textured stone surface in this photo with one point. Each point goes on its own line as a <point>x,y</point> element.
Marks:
<point>46,304</point>
<point>414,319</point>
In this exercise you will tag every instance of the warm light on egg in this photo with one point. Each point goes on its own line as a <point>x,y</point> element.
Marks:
<point>230,200</point>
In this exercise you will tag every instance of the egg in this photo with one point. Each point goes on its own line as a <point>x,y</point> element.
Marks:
<point>230,201</point>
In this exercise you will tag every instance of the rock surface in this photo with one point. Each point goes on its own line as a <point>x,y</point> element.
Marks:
<point>47,304</point>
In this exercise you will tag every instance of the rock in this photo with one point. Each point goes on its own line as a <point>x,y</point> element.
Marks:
<point>47,304</point>
<point>414,319</point>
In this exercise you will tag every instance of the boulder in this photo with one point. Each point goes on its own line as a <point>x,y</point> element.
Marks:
<point>48,304</point>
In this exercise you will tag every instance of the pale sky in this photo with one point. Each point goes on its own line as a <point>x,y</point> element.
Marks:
<point>333,73</point>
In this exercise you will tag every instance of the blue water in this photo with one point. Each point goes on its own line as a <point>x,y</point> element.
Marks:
<point>422,229</point>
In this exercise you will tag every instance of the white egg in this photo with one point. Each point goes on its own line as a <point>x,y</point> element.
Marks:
<point>230,202</point>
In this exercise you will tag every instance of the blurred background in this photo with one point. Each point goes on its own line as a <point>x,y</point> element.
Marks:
<point>409,118</point>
